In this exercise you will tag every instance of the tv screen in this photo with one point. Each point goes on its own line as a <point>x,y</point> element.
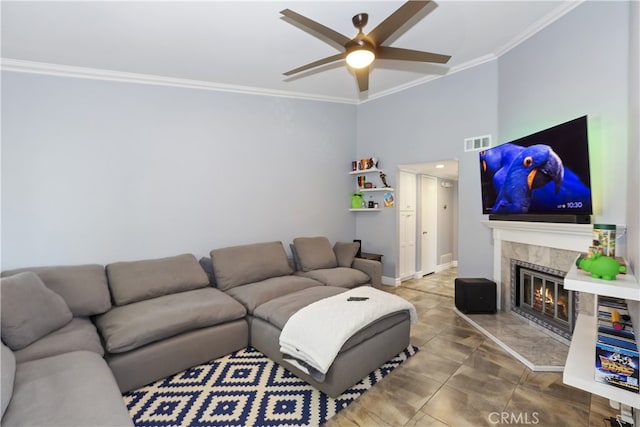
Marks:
<point>543,173</point>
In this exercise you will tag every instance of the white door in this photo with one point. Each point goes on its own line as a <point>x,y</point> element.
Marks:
<point>407,191</point>
<point>407,224</point>
<point>428,224</point>
<point>407,255</point>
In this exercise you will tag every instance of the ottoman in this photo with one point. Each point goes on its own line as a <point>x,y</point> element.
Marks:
<point>363,353</point>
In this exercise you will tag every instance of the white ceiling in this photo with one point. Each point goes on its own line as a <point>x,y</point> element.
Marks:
<point>444,169</point>
<point>246,46</point>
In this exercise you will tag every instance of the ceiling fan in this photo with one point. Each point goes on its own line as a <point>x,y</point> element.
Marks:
<point>362,50</point>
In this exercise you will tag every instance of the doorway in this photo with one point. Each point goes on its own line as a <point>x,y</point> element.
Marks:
<point>436,231</point>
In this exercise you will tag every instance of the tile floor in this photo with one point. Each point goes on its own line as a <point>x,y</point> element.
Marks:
<point>462,378</point>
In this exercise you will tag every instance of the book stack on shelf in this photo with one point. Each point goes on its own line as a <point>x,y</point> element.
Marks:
<point>616,346</point>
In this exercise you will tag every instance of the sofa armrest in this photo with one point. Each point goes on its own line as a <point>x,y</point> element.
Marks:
<point>371,268</point>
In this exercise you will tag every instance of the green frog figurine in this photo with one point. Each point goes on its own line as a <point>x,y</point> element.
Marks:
<point>602,267</point>
<point>356,200</point>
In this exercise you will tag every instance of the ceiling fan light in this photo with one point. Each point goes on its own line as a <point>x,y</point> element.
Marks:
<point>360,58</point>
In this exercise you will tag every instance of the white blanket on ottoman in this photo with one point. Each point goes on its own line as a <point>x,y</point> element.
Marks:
<point>313,336</point>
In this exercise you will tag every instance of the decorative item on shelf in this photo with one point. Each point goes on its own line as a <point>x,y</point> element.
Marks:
<point>371,204</point>
<point>388,200</point>
<point>383,178</point>
<point>354,165</point>
<point>602,267</point>
<point>604,239</point>
<point>356,200</point>
<point>366,164</point>
<point>362,181</point>
<point>374,162</point>
<point>616,361</point>
<point>368,185</point>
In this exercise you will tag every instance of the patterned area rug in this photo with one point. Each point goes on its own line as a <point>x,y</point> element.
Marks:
<point>243,389</point>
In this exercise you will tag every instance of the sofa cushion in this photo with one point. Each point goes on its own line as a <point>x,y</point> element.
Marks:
<point>133,281</point>
<point>79,334</point>
<point>314,253</point>
<point>29,310</point>
<point>70,389</point>
<point>346,252</point>
<point>239,265</point>
<point>131,326</point>
<point>253,295</point>
<point>343,277</point>
<point>8,370</point>
<point>83,287</point>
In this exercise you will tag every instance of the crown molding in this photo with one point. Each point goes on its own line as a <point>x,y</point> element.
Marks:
<point>545,21</point>
<point>461,67</point>
<point>566,7</point>
<point>22,66</point>
<point>17,65</point>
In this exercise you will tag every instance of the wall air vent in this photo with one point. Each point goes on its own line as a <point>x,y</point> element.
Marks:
<point>477,143</point>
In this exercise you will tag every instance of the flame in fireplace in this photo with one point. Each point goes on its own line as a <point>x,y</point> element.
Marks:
<point>541,297</point>
<point>548,297</point>
<point>549,302</point>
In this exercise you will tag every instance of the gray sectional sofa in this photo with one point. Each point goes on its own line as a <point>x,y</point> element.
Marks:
<point>166,318</point>
<point>53,372</point>
<point>272,292</point>
<point>75,337</point>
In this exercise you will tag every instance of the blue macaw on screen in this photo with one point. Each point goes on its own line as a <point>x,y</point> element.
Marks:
<point>533,168</point>
<point>496,162</point>
<point>572,191</point>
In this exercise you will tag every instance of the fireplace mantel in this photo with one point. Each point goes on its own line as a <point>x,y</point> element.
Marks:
<point>571,237</point>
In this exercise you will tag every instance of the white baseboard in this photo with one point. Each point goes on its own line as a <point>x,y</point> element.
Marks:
<point>395,281</point>
<point>442,267</point>
<point>390,281</point>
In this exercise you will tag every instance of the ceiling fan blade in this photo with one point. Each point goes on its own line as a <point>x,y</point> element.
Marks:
<point>386,52</point>
<point>327,60</point>
<point>397,19</point>
<point>327,32</point>
<point>363,78</point>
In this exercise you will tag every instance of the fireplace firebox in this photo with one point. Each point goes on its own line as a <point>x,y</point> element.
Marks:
<point>538,294</point>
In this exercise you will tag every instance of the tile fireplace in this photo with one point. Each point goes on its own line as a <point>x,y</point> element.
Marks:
<point>542,253</point>
<point>538,294</point>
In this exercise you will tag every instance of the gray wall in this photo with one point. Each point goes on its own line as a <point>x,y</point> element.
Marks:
<point>95,171</point>
<point>103,171</point>
<point>429,123</point>
<point>570,69</point>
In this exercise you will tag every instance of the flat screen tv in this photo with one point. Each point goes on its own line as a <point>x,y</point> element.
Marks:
<point>543,174</point>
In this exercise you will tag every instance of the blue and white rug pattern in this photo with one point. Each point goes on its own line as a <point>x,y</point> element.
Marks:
<point>243,389</point>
